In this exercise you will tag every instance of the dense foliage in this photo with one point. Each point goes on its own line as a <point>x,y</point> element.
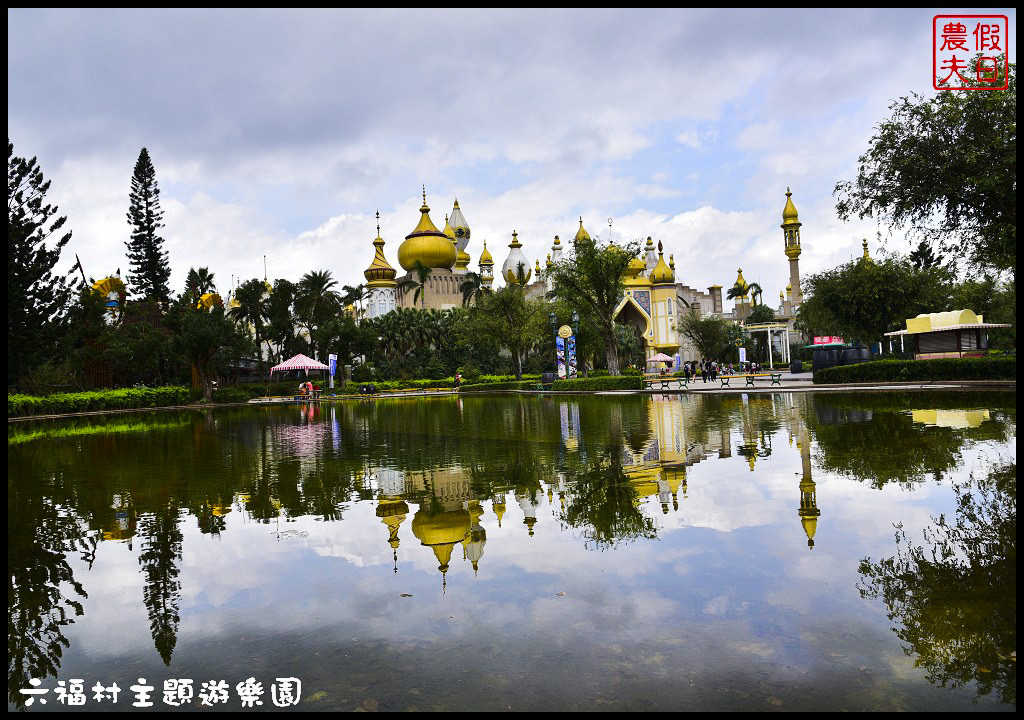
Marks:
<point>945,165</point>
<point>612,382</point>
<point>37,301</point>
<point>990,368</point>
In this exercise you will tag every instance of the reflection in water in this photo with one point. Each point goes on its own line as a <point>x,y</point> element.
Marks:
<point>610,472</point>
<point>955,596</point>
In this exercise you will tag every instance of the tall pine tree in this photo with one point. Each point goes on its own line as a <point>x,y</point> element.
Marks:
<point>150,269</point>
<point>37,301</point>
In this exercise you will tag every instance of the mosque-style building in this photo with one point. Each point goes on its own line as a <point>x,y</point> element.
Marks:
<point>654,300</point>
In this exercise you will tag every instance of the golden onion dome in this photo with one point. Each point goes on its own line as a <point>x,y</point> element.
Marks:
<point>789,216</point>
<point>635,267</point>
<point>581,234</point>
<point>485,256</point>
<point>448,229</point>
<point>380,273</point>
<point>662,274</point>
<point>549,264</point>
<point>427,244</point>
<point>557,241</point>
<point>441,532</point>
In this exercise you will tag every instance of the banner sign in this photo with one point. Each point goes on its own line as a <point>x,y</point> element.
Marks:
<point>333,362</point>
<point>826,339</point>
<point>743,355</point>
<point>560,351</point>
<point>572,356</point>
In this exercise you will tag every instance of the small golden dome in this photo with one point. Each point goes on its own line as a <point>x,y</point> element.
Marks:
<point>867,256</point>
<point>549,264</point>
<point>789,216</point>
<point>557,241</point>
<point>380,273</point>
<point>427,244</point>
<point>448,229</point>
<point>485,256</point>
<point>635,267</point>
<point>581,234</point>
<point>662,274</point>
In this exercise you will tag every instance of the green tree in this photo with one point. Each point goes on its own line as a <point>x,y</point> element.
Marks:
<point>863,300</point>
<point>738,290</point>
<point>37,301</point>
<point>710,335</point>
<point>954,599</point>
<point>208,340</point>
<point>761,314</point>
<point>945,164</point>
<point>591,279</point>
<point>355,296</point>
<point>198,283</point>
<point>417,282</point>
<point>507,319</point>
<point>251,312</point>
<point>280,315</point>
<point>150,267</point>
<point>472,288</point>
<point>316,302</point>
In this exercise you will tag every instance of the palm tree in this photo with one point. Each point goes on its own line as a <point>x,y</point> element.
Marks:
<point>755,292</point>
<point>198,283</point>
<point>419,282</point>
<point>738,290</point>
<point>316,301</point>
<point>355,295</point>
<point>252,311</point>
<point>472,287</point>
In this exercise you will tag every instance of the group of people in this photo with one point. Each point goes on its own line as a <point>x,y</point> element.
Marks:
<point>707,369</point>
<point>710,369</point>
<point>308,389</point>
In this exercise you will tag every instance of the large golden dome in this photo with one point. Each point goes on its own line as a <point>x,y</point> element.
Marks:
<point>427,244</point>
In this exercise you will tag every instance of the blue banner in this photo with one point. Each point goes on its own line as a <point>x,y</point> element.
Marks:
<point>560,351</point>
<point>333,361</point>
<point>572,356</point>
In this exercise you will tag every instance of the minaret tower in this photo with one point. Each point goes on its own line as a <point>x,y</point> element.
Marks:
<point>809,511</point>
<point>791,236</point>
<point>556,250</point>
<point>380,281</point>
<point>460,228</point>
<point>486,267</point>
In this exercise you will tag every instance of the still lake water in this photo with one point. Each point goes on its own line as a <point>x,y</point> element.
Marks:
<point>763,552</point>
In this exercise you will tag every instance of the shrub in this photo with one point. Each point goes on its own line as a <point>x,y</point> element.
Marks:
<point>621,382</point>
<point>490,386</point>
<point>632,371</point>
<point>997,368</point>
<point>18,405</point>
<point>599,373</point>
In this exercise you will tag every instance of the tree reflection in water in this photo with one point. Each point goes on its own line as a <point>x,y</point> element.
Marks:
<point>955,597</point>
<point>39,535</point>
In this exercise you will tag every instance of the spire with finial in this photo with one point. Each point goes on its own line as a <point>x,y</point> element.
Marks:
<point>867,256</point>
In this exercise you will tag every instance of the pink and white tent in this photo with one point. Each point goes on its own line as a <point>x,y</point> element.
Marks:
<point>299,362</point>
<point>661,357</point>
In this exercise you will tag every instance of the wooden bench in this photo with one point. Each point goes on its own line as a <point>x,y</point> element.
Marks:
<point>750,377</point>
<point>664,383</point>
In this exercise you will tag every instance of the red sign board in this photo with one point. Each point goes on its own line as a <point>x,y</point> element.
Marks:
<point>970,52</point>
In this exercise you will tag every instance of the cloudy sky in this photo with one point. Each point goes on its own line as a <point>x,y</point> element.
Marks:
<point>282,132</point>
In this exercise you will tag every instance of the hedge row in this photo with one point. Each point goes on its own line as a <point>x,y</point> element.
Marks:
<point>997,368</point>
<point>488,387</point>
<point>97,400</point>
<point>619,382</point>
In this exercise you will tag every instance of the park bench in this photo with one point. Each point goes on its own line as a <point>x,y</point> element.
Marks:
<point>664,383</point>
<point>750,377</point>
